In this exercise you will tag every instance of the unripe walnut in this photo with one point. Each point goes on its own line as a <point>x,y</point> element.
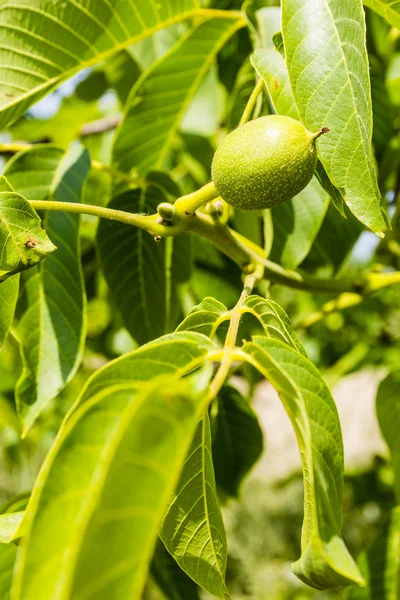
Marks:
<point>265,162</point>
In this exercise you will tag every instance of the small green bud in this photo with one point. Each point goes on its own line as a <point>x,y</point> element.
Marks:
<point>166,211</point>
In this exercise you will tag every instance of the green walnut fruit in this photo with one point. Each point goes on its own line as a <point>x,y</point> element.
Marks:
<point>265,162</point>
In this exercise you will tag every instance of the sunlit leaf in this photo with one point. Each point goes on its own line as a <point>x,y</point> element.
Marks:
<point>330,84</point>
<point>325,561</point>
<point>52,330</point>
<point>111,472</point>
<point>273,319</point>
<point>205,318</point>
<point>10,526</point>
<point>193,530</point>
<point>44,43</point>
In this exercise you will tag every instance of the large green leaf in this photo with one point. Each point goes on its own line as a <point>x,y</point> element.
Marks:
<point>388,9</point>
<point>44,42</point>
<point>274,320</point>
<point>380,563</point>
<point>143,275</point>
<point>23,242</point>
<point>193,530</point>
<point>8,301</point>
<point>170,578</point>
<point>96,505</point>
<point>388,413</point>
<point>325,561</point>
<point>237,440</point>
<point>52,330</point>
<point>161,96</point>
<point>328,69</point>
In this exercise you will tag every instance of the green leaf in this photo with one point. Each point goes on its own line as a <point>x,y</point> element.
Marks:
<point>23,242</point>
<point>244,85</point>
<point>133,423</point>
<point>170,578</point>
<point>237,440</point>
<point>380,563</point>
<point>296,225</point>
<point>388,9</point>
<point>159,99</point>
<point>388,413</point>
<point>142,274</point>
<point>325,561</point>
<point>331,87</point>
<point>45,43</point>
<point>8,555</point>
<point>274,320</point>
<point>31,172</point>
<point>205,318</point>
<point>193,530</point>
<point>52,330</point>
<point>334,241</point>
<point>10,526</point>
<point>270,66</point>
<point>8,301</point>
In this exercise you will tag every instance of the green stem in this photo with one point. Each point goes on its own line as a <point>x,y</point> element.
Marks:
<point>149,223</point>
<point>187,205</point>
<point>248,111</point>
<point>233,244</point>
<point>231,336</point>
